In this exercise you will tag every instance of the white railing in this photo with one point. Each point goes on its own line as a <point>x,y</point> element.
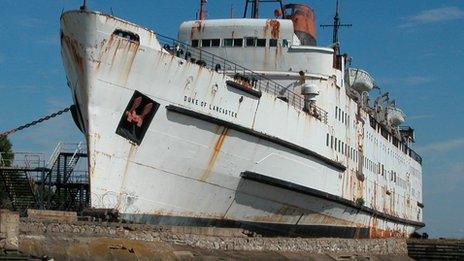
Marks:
<point>55,154</point>
<point>72,161</point>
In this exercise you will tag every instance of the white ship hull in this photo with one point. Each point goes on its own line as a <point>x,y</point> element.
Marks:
<point>212,155</point>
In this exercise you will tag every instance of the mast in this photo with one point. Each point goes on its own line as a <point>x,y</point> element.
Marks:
<point>202,13</point>
<point>336,26</point>
<point>255,7</point>
<point>84,6</point>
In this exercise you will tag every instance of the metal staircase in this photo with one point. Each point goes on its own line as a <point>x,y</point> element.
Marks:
<point>19,189</point>
<point>70,187</point>
<point>59,184</point>
<point>16,176</point>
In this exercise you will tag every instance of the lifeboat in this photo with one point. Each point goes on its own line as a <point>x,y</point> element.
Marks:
<point>395,116</point>
<point>359,80</point>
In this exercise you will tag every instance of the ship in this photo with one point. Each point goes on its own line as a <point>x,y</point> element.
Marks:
<point>239,122</point>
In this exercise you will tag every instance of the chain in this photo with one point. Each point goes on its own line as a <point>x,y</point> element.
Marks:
<point>25,126</point>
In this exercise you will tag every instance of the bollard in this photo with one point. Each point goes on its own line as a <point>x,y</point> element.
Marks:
<point>9,229</point>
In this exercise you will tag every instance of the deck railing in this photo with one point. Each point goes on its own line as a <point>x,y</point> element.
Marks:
<point>214,62</point>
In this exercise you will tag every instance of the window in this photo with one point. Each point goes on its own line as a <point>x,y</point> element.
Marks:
<point>339,113</point>
<point>238,42</point>
<point>285,43</point>
<point>327,140</point>
<point>194,43</point>
<point>205,43</point>
<point>336,112</point>
<point>261,42</point>
<point>272,42</point>
<point>384,133</point>
<point>216,42</point>
<point>343,117</point>
<point>372,122</point>
<point>339,145</point>
<point>250,42</point>
<point>343,146</point>
<point>331,141</point>
<point>228,42</point>
<point>336,144</point>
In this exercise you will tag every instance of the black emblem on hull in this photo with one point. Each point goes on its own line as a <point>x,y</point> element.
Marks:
<point>137,117</point>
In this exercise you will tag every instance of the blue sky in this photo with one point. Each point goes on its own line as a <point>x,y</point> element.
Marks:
<point>414,49</point>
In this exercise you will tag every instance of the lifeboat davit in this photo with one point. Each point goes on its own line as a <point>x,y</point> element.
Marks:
<point>359,80</point>
<point>395,116</point>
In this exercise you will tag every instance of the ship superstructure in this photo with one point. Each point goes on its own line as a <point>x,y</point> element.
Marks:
<point>239,122</point>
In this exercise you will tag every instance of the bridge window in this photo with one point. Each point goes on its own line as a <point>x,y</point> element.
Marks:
<point>216,42</point>
<point>261,42</point>
<point>228,42</point>
<point>238,42</point>
<point>272,42</point>
<point>206,43</point>
<point>210,42</point>
<point>195,43</point>
<point>250,42</point>
<point>285,43</point>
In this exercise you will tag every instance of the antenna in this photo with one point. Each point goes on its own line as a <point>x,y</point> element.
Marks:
<point>84,6</point>
<point>202,13</point>
<point>336,26</point>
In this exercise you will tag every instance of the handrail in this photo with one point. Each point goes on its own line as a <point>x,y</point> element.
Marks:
<point>55,154</point>
<point>214,62</point>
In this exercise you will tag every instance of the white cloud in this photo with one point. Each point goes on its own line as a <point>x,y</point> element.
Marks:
<point>416,80</point>
<point>443,146</point>
<point>407,80</point>
<point>48,40</point>
<point>434,15</point>
<point>31,22</point>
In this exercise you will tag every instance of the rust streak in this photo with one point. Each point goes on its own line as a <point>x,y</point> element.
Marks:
<point>214,154</point>
<point>73,47</point>
<point>275,28</point>
<point>196,29</point>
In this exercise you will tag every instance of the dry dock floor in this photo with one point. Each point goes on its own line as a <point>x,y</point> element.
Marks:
<point>80,240</point>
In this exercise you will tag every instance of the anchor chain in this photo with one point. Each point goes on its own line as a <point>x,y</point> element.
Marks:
<point>33,123</point>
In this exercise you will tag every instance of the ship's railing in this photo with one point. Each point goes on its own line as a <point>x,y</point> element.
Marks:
<point>257,81</point>
<point>415,156</point>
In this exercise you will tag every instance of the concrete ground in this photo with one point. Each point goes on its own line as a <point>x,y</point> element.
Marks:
<point>105,248</point>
